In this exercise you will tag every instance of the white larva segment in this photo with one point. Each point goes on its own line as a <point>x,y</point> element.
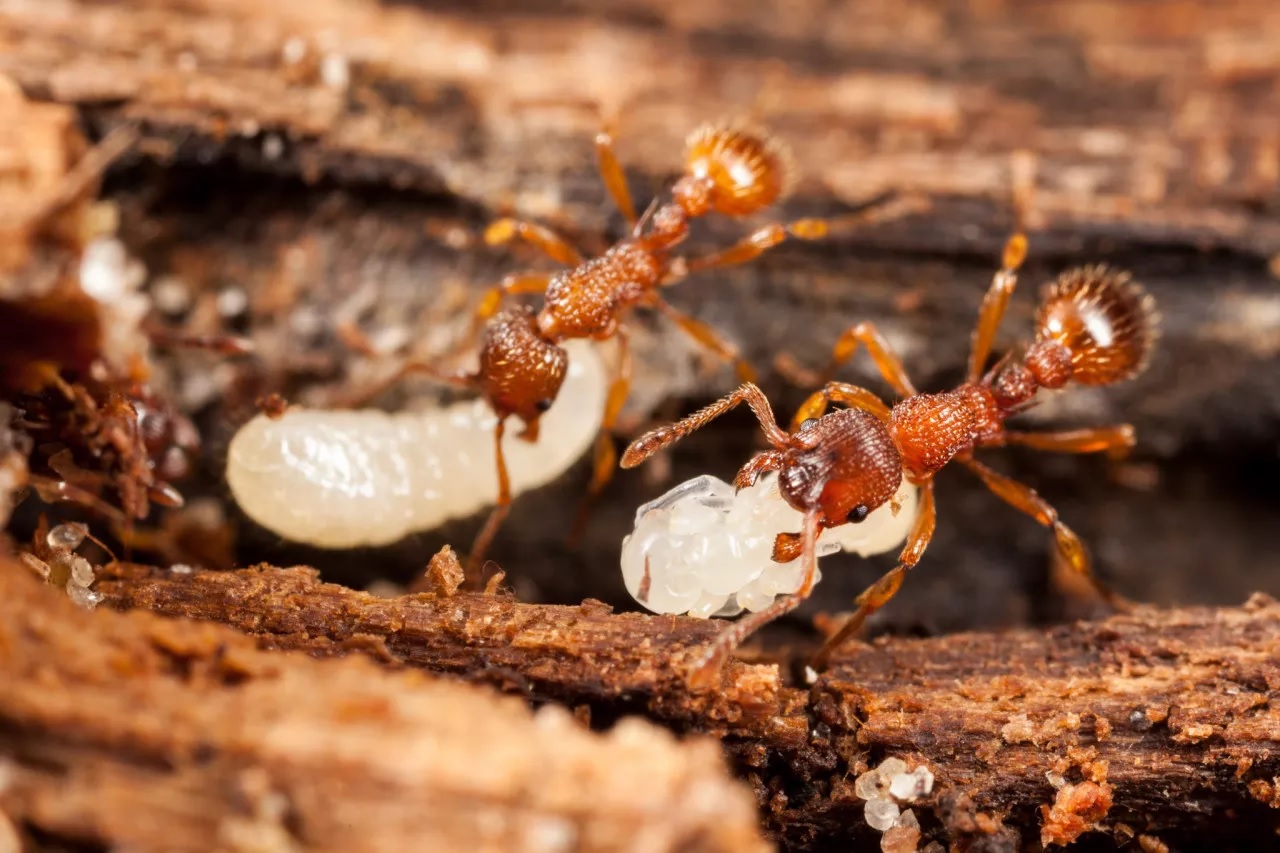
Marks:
<point>347,479</point>
<point>709,552</point>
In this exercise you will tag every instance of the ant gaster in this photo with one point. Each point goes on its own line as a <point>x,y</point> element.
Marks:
<point>730,170</point>
<point>1094,327</point>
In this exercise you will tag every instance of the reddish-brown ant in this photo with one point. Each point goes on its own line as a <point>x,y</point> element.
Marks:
<point>730,170</point>
<point>1094,327</point>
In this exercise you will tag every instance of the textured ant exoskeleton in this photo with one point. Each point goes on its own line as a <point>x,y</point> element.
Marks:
<point>730,170</point>
<point>1094,327</point>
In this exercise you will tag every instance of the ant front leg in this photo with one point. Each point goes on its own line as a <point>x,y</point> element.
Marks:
<point>511,285</point>
<point>662,437</point>
<point>707,668</point>
<point>606,455</point>
<point>705,335</point>
<point>815,406</point>
<point>879,593</point>
<point>549,242</point>
<point>475,560</point>
<point>886,360</point>
<point>1026,500</point>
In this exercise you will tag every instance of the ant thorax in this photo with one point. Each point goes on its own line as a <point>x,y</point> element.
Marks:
<point>583,302</point>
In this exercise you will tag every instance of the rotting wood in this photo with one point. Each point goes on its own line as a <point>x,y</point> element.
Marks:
<point>134,731</point>
<point>1169,712</point>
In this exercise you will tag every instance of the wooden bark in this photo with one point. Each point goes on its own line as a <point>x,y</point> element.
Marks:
<point>1166,713</point>
<point>144,733</point>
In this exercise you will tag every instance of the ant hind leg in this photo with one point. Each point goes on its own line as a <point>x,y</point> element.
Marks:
<point>606,455</point>
<point>1012,258</point>
<point>1026,500</point>
<point>879,593</point>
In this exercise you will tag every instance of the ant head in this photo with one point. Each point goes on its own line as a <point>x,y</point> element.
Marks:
<point>1102,318</point>
<point>732,170</point>
<point>847,465</point>
<point>520,372</point>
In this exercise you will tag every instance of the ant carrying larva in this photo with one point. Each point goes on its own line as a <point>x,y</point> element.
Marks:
<point>1095,326</point>
<point>729,169</point>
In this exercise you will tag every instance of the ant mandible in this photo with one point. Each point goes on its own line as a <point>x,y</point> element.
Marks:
<point>729,169</point>
<point>1094,327</point>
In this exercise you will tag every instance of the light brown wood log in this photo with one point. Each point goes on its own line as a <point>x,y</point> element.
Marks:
<point>132,731</point>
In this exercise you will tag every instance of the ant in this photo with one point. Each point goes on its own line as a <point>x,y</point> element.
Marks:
<point>1095,326</point>
<point>729,169</point>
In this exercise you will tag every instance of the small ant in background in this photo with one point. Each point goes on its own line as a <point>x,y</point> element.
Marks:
<point>1094,327</point>
<point>730,170</point>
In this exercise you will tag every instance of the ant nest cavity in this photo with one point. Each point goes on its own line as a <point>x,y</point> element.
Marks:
<point>705,550</point>
<point>348,479</point>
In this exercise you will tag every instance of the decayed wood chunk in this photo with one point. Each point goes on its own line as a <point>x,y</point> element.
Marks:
<point>1141,724</point>
<point>138,732</point>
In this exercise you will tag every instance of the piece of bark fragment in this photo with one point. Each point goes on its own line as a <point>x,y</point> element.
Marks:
<point>108,716</point>
<point>998,719</point>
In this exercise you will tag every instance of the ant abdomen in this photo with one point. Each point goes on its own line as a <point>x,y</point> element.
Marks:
<point>734,170</point>
<point>1104,320</point>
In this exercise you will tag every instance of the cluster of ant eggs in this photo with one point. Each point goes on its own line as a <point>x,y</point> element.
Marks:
<point>706,550</point>
<point>884,788</point>
<point>65,568</point>
<point>348,479</point>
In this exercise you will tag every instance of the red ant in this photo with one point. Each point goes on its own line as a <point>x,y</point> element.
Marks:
<point>729,170</point>
<point>1094,327</point>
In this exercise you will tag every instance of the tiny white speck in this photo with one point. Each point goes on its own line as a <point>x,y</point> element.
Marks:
<point>232,301</point>
<point>293,51</point>
<point>334,71</point>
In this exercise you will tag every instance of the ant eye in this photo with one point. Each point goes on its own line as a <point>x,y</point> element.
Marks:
<point>806,423</point>
<point>543,404</point>
<point>858,513</point>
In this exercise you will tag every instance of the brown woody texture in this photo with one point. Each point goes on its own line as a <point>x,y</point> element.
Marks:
<point>1168,712</point>
<point>146,733</point>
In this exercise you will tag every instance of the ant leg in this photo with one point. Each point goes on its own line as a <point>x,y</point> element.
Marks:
<point>886,360</point>
<point>552,244</point>
<point>879,593</point>
<point>475,561</point>
<point>1025,499</point>
<point>1002,285</point>
<point>615,180</point>
<point>1115,441</point>
<point>766,238</point>
<point>705,335</point>
<point>606,455</point>
<point>511,285</point>
<point>707,667</point>
<point>754,245</point>
<point>815,406</point>
<point>665,436</point>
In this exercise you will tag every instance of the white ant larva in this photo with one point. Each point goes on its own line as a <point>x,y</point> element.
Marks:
<point>346,479</point>
<point>705,550</point>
